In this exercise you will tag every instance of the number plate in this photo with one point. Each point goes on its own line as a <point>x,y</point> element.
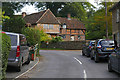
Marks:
<point>109,48</point>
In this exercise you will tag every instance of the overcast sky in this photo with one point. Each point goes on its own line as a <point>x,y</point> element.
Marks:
<point>31,9</point>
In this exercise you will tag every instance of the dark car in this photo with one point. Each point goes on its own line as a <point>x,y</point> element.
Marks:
<point>87,48</point>
<point>103,48</point>
<point>114,61</point>
<point>19,53</point>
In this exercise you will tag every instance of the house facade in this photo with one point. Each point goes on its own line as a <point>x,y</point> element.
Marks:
<point>116,22</point>
<point>44,20</point>
<point>69,29</point>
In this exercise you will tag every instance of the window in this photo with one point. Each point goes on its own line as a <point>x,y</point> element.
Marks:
<point>45,26</point>
<point>23,41</point>
<point>51,26</point>
<point>13,39</point>
<point>79,37</point>
<point>64,25</point>
<point>63,36</point>
<point>117,15</point>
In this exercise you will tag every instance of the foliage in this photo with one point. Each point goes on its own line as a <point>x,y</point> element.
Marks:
<point>14,24</point>
<point>76,9</point>
<point>32,35</point>
<point>96,23</point>
<point>56,39</point>
<point>6,46</point>
<point>10,7</point>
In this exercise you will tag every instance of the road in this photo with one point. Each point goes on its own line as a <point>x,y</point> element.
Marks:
<point>69,64</point>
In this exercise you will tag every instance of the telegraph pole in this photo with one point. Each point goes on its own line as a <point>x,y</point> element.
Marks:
<point>106,19</point>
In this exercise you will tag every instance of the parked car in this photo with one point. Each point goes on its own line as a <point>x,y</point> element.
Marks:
<point>103,48</point>
<point>114,61</point>
<point>19,53</point>
<point>87,48</point>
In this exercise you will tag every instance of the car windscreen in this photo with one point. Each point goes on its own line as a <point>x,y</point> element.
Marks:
<point>107,43</point>
<point>13,39</point>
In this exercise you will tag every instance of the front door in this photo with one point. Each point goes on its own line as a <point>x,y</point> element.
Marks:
<point>72,38</point>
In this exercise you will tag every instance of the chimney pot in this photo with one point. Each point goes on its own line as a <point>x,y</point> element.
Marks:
<point>69,16</point>
<point>23,14</point>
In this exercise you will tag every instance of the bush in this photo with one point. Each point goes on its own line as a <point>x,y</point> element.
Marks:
<point>6,46</point>
<point>56,39</point>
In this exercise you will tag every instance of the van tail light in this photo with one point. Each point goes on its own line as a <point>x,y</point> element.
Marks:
<point>18,51</point>
<point>90,47</point>
<point>99,46</point>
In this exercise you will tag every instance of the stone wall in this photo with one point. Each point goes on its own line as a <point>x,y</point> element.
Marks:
<point>66,45</point>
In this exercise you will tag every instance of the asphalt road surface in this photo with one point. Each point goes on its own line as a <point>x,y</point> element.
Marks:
<point>69,64</point>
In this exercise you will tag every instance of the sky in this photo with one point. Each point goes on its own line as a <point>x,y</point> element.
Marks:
<point>31,8</point>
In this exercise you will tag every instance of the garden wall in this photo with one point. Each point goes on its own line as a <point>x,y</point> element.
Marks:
<point>66,45</point>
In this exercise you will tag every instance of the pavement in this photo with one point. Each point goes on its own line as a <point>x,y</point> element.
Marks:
<point>69,64</point>
<point>11,71</point>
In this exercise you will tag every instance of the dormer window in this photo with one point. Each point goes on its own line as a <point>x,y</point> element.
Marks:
<point>117,15</point>
<point>64,25</point>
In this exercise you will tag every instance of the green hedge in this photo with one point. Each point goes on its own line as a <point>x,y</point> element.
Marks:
<point>6,46</point>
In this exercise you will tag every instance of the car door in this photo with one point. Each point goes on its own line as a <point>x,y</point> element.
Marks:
<point>114,60</point>
<point>24,48</point>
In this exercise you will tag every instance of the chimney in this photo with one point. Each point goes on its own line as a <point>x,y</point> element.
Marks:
<point>23,14</point>
<point>69,16</point>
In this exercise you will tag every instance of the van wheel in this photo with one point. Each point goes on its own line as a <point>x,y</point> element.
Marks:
<point>109,66</point>
<point>96,58</point>
<point>28,60</point>
<point>19,67</point>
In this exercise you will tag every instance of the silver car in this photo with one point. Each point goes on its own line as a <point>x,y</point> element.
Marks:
<point>19,53</point>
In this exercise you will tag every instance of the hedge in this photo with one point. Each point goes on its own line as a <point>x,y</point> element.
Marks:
<point>6,46</point>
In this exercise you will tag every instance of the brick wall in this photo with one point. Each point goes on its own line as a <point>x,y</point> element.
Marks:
<point>66,45</point>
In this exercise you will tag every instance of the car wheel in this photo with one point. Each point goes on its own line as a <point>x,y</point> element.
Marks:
<point>96,58</point>
<point>109,66</point>
<point>28,60</point>
<point>19,67</point>
<point>83,54</point>
<point>91,57</point>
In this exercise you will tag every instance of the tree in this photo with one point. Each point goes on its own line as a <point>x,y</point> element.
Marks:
<point>77,10</point>
<point>14,24</point>
<point>10,7</point>
<point>96,24</point>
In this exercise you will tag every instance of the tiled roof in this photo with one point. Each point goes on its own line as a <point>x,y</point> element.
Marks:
<point>72,24</point>
<point>33,18</point>
<point>43,17</point>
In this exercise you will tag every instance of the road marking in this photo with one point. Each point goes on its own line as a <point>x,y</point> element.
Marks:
<point>27,70</point>
<point>78,60</point>
<point>85,75</point>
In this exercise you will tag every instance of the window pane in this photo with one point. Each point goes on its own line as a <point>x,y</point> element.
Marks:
<point>13,39</point>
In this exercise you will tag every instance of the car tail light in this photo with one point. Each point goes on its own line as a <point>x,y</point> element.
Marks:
<point>99,46</point>
<point>18,51</point>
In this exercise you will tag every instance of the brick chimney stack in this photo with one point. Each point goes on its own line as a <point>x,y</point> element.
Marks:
<point>23,14</point>
<point>69,16</point>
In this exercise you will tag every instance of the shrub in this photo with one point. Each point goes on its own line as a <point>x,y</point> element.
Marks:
<point>32,35</point>
<point>6,46</point>
<point>56,39</point>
